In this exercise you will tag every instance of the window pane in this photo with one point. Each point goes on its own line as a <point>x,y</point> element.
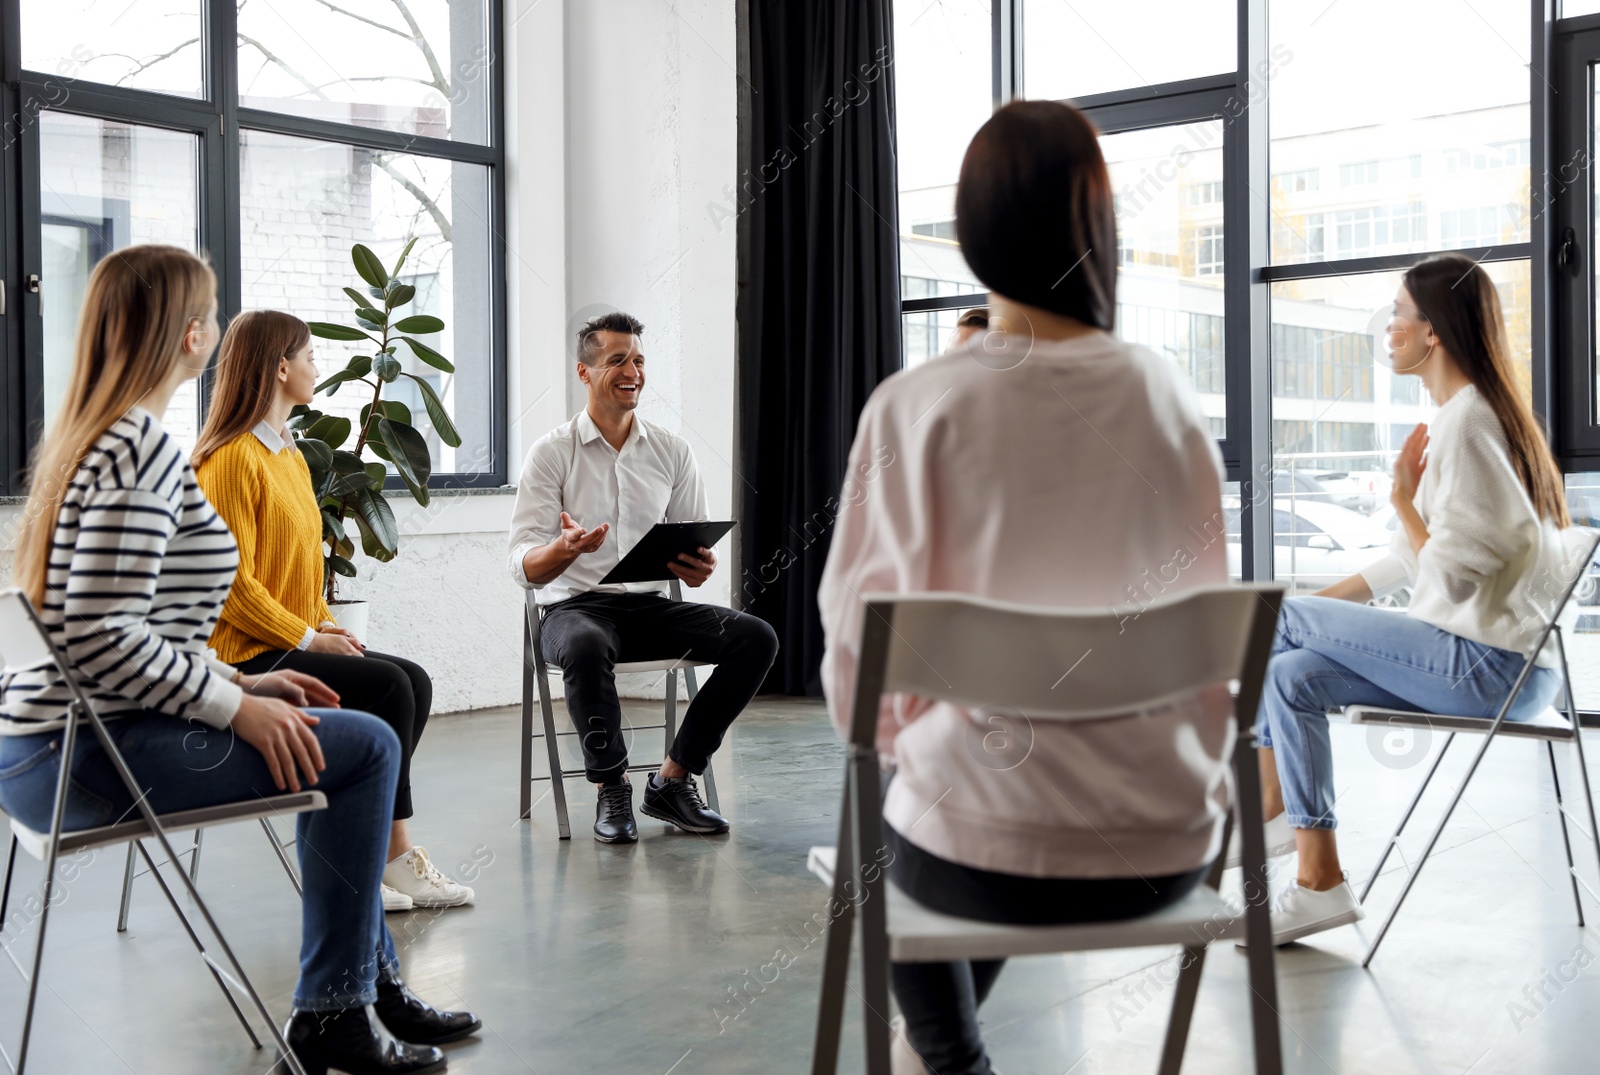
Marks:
<point>931,333</point>
<point>1403,163</point>
<point>304,204</point>
<point>1583,501</point>
<point>145,44</point>
<point>943,94</point>
<point>1072,50</point>
<point>104,186</point>
<point>422,68</point>
<point>1339,416</point>
<point>1168,190</point>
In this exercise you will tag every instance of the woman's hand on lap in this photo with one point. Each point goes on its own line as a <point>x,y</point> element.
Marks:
<point>337,641</point>
<point>296,688</point>
<point>283,735</point>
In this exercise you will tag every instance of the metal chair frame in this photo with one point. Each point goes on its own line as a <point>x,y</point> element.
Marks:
<point>535,676</point>
<point>131,871</point>
<point>1564,727</point>
<point>17,624</point>
<point>890,662</point>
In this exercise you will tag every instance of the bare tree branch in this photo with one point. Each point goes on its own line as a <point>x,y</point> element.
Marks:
<point>379,78</point>
<point>146,64</point>
<point>362,18</point>
<point>274,58</point>
<point>440,221</point>
<point>439,80</point>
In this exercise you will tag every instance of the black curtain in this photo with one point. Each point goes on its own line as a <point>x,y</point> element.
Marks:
<point>819,305</point>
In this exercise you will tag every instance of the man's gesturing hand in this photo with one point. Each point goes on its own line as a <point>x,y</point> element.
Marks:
<point>575,539</point>
<point>694,570</point>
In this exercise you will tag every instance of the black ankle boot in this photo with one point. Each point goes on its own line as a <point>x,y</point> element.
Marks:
<point>410,1018</point>
<point>352,1040</point>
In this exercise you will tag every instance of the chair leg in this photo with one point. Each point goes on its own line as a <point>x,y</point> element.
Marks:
<point>1566,840</point>
<point>836,952</point>
<point>5,892</point>
<point>669,723</point>
<point>553,748</point>
<point>870,898</point>
<point>288,866</point>
<point>526,742</point>
<point>194,857</point>
<point>1193,962</point>
<point>1394,838</point>
<point>1411,878</point>
<point>194,939</point>
<point>127,888</point>
<point>1260,952</point>
<point>1577,745</point>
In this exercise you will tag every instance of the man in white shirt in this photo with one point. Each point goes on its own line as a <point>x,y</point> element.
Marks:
<point>590,489</point>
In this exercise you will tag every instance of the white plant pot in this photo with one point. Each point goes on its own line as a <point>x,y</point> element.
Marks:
<point>352,616</point>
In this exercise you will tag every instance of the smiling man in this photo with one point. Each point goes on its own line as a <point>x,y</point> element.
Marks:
<point>590,489</point>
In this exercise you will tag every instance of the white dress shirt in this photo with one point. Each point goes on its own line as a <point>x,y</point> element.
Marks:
<point>1492,570</point>
<point>652,479</point>
<point>1084,477</point>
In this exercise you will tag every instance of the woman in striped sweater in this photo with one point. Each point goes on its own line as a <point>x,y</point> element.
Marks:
<point>128,566</point>
<point>275,617</point>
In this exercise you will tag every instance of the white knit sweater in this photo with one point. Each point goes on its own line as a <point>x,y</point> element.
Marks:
<point>1491,570</point>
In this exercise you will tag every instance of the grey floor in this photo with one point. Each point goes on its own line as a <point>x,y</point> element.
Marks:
<point>586,958</point>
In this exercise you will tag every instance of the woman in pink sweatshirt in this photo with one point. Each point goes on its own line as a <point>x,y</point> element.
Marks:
<point>1049,463</point>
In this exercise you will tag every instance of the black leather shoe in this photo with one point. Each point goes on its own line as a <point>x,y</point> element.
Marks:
<point>353,1041</point>
<point>613,817</point>
<point>410,1018</point>
<point>679,802</point>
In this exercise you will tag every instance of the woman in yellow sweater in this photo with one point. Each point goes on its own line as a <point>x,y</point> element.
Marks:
<point>275,616</point>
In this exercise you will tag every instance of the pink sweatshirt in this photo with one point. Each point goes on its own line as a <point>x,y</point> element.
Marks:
<point>1083,477</point>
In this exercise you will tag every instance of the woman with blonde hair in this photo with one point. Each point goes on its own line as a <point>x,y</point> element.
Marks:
<point>275,616</point>
<point>128,566</point>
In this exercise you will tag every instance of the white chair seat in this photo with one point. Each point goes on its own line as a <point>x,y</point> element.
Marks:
<point>920,935</point>
<point>1549,725</point>
<point>34,843</point>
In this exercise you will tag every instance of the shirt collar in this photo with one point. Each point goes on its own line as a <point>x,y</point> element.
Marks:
<point>269,437</point>
<point>588,432</point>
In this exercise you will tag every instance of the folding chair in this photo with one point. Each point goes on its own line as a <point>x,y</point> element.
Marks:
<point>536,671</point>
<point>130,870</point>
<point>25,644</point>
<point>1550,727</point>
<point>979,653</point>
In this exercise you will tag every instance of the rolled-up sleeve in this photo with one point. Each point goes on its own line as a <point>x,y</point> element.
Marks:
<point>536,517</point>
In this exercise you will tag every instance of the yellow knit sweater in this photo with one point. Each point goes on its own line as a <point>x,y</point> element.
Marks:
<point>267,501</point>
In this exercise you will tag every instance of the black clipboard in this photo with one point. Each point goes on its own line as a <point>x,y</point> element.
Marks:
<point>647,561</point>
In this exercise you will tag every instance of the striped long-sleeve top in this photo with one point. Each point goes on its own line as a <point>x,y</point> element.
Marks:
<point>139,568</point>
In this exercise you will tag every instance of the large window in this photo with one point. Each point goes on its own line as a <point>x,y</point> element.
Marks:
<point>1267,206</point>
<point>272,138</point>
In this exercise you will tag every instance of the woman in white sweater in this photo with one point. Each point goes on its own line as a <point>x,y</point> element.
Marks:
<point>1485,545</point>
<point>1047,463</point>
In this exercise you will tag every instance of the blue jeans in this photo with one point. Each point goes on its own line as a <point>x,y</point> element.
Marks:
<point>1330,653</point>
<point>344,944</point>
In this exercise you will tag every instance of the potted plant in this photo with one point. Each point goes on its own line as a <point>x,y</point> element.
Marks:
<point>347,484</point>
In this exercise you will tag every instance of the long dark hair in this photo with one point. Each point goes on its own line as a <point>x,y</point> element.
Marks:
<point>1034,212</point>
<point>247,375</point>
<point>1460,301</point>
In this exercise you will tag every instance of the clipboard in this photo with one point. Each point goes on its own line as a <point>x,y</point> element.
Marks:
<point>647,561</point>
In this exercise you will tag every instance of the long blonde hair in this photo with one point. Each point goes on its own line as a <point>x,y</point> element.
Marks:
<point>247,375</point>
<point>139,306</point>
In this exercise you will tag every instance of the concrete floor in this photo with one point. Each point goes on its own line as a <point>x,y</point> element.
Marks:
<point>587,958</point>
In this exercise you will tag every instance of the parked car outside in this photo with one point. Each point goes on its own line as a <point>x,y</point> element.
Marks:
<point>1315,543</point>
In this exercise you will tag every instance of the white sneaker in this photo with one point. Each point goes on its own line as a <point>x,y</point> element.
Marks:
<point>1280,842</point>
<point>415,876</point>
<point>396,901</point>
<point>1299,912</point>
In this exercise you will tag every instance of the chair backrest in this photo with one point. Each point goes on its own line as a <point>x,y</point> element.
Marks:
<point>1061,663</point>
<point>23,642</point>
<point>1569,586</point>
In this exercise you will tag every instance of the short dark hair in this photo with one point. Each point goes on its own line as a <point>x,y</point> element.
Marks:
<point>615,321</point>
<point>1034,212</point>
<point>977,317</point>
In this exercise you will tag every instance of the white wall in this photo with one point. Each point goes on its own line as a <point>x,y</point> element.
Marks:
<point>621,125</point>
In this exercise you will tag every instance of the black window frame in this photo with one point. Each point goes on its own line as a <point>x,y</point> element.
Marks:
<point>1562,331</point>
<point>220,125</point>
